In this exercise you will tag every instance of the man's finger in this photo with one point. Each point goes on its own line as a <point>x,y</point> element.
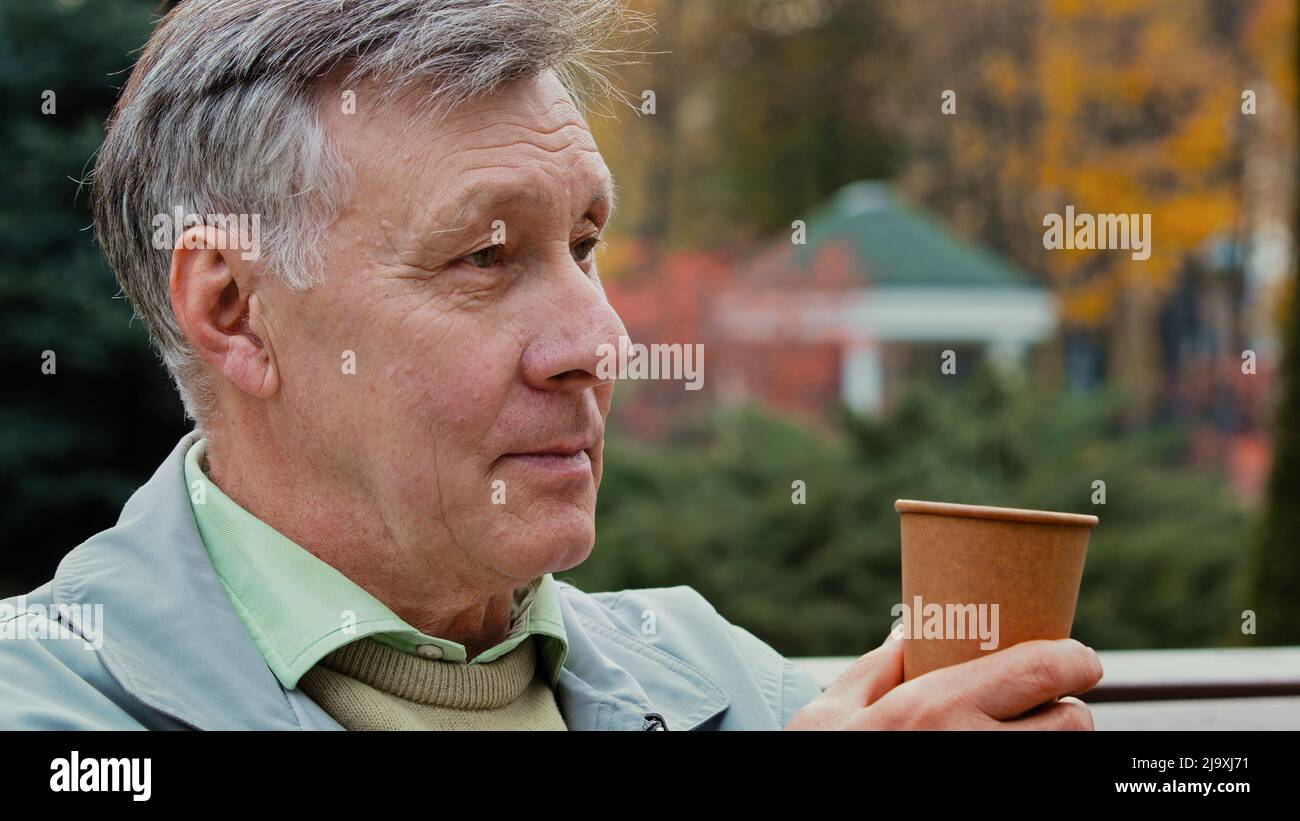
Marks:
<point>1067,714</point>
<point>873,674</point>
<point>1010,682</point>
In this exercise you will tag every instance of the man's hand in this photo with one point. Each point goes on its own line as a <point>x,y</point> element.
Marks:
<point>1013,689</point>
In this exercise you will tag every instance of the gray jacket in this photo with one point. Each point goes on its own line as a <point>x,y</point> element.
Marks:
<point>135,632</point>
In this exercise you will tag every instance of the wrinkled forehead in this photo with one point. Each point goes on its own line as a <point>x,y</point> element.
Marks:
<point>526,140</point>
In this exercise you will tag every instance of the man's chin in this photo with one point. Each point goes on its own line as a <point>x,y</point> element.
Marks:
<point>559,539</point>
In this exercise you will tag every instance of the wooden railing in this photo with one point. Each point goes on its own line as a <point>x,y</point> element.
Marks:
<point>1237,688</point>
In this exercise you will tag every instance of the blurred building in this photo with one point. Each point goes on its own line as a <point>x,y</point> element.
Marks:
<point>872,297</point>
<point>883,289</point>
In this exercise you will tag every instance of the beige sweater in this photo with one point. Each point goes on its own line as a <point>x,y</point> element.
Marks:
<point>366,685</point>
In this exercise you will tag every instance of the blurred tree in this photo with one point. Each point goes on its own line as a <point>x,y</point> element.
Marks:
<point>76,442</point>
<point>763,108</point>
<point>1277,560</point>
<point>1113,107</point>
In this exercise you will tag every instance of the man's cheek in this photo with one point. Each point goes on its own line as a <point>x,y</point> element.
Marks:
<point>481,375</point>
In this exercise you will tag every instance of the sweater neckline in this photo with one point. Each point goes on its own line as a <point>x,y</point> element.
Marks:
<point>482,686</point>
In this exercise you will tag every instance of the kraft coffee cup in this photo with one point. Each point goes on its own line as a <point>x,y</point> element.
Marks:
<point>979,579</point>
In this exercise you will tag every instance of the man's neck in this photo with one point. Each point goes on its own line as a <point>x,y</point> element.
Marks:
<point>339,526</point>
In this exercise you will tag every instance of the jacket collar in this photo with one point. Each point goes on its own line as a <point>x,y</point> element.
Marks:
<point>171,636</point>
<point>596,691</point>
<point>173,640</point>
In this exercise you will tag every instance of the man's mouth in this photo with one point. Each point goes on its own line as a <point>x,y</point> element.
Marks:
<point>562,460</point>
<point>577,461</point>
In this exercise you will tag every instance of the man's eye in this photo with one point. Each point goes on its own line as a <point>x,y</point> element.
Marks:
<point>484,257</point>
<point>583,249</point>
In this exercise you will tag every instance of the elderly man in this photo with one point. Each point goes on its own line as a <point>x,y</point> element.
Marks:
<point>399,422</point>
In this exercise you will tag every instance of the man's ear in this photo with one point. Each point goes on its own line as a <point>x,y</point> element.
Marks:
<point>212,297</point>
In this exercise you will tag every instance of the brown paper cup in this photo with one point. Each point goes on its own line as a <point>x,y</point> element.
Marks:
<point>959,557</point>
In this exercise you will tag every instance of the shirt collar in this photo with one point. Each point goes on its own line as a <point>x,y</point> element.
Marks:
<point>298,609</point>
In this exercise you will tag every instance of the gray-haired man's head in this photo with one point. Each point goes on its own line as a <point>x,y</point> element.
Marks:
<point>407,359</point>
<point>222,115</point>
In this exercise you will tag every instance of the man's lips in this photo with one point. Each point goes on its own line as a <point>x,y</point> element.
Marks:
<point>571,459</point>
<point>576,462</point>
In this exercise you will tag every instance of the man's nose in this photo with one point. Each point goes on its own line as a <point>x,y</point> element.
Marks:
<point>578,330</point>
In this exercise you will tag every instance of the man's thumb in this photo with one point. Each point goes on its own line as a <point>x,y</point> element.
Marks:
<point>868,679</point>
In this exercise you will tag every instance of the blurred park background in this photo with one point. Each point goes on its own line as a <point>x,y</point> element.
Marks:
<point>1174,380</point>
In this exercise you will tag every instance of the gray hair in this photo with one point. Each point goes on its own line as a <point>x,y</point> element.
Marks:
<point>221,116</point>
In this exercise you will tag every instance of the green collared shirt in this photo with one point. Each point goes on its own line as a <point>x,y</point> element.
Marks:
<point>298,609</point>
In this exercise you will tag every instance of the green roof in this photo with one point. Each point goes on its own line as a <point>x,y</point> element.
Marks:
<point>898,245</point>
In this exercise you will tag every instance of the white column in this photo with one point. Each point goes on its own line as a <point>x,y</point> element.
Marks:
<point>862,376</point>
<point>1008,354</point>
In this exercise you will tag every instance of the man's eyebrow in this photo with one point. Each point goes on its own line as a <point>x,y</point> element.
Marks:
<point>609,193</point>
<point>477,201</point>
